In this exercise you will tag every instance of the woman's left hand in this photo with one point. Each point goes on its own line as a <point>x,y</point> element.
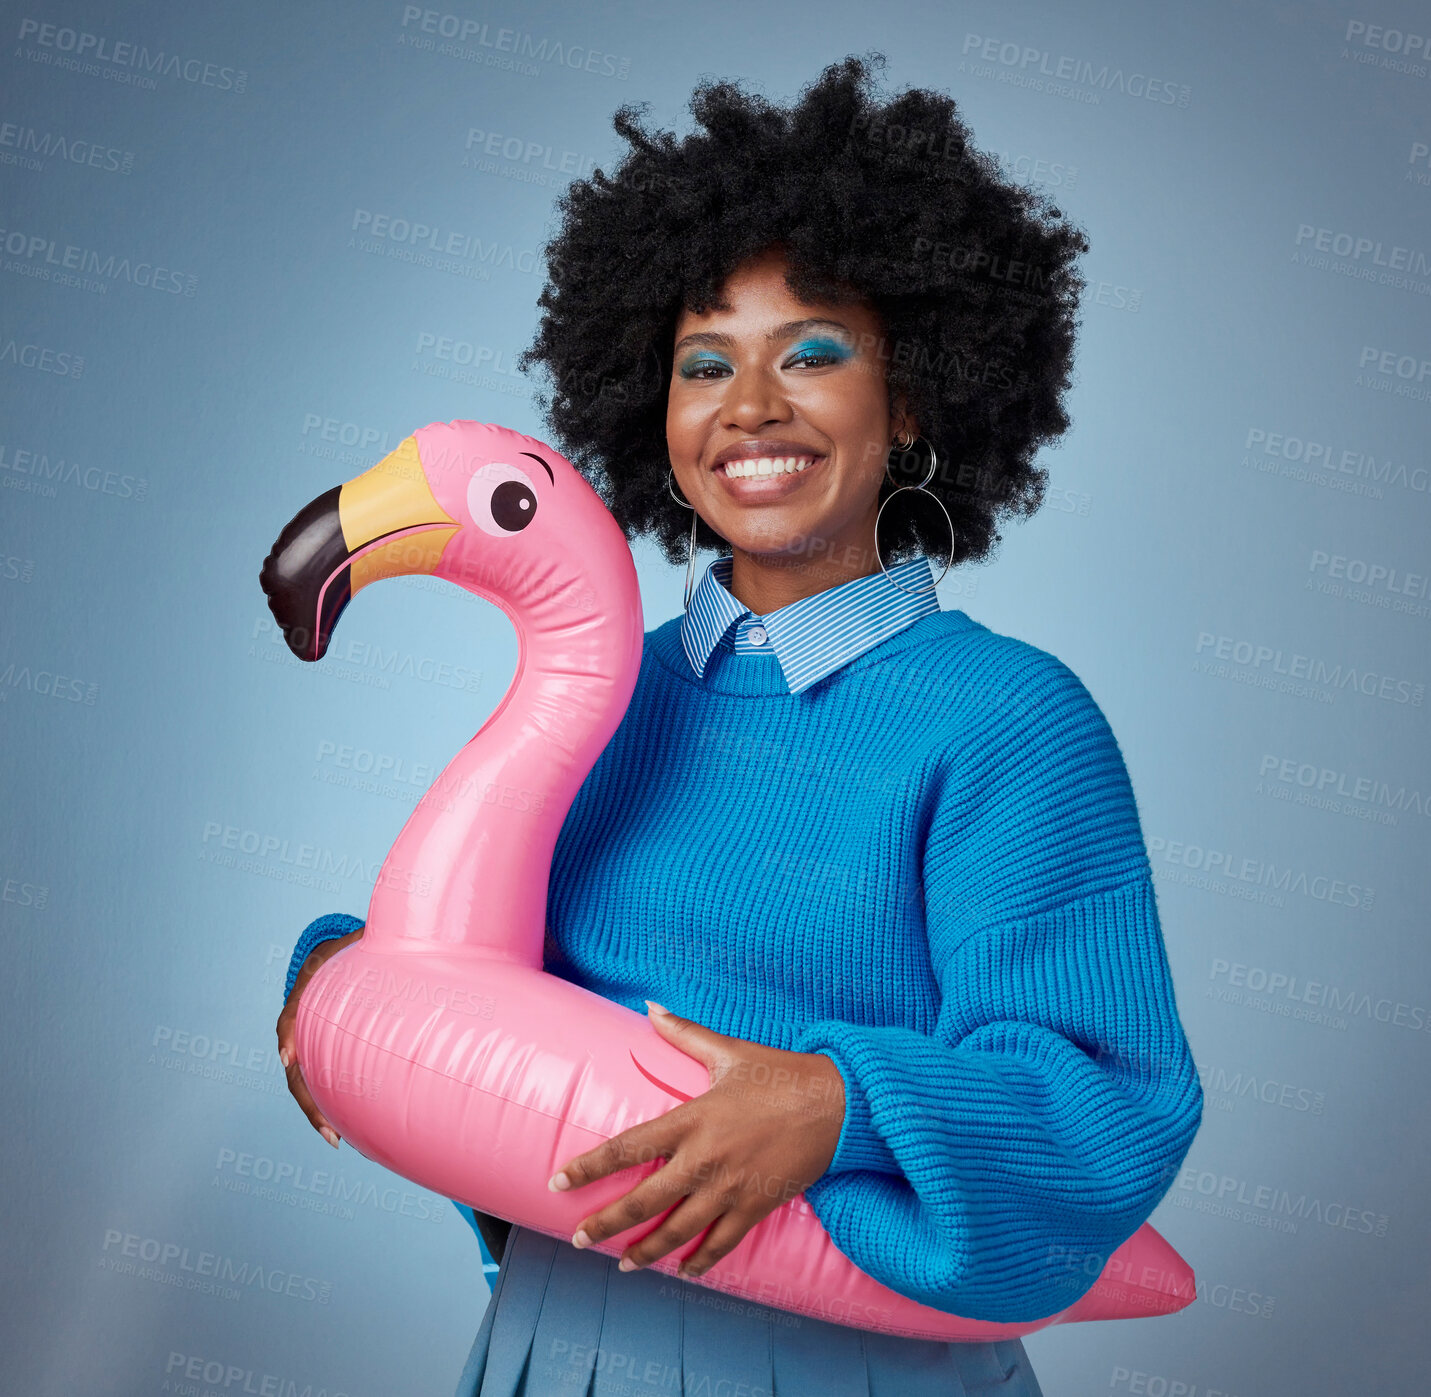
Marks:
<point>762,1134</point>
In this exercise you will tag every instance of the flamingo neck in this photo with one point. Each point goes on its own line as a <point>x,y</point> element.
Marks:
<point>470,868</point>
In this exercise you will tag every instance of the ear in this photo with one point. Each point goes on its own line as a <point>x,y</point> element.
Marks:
<point>902,420</point>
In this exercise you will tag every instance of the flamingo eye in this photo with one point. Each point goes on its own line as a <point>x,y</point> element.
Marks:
<point>501,499</point>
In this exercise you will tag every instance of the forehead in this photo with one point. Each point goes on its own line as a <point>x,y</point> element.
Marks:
<point>758,302</point>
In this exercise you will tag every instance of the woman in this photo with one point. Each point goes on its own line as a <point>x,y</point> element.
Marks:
<point>884,864</point>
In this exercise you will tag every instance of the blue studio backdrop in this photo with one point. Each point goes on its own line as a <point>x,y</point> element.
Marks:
<point>245,250</point>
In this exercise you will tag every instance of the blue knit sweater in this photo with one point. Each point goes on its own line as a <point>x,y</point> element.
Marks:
<point>929,866</point>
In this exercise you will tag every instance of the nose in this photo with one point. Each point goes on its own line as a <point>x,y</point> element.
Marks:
<point>754,399</point>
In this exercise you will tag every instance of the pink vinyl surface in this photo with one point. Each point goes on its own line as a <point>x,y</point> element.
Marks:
<point>438,1046</point>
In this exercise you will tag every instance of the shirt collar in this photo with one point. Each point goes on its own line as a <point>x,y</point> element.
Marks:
<point>816,635</point>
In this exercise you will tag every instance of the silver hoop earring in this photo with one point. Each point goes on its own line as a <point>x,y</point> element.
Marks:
<point>691,556</point>
<point>904,449</point>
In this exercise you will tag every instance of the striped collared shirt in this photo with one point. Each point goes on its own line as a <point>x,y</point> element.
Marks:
<point>814,636</point>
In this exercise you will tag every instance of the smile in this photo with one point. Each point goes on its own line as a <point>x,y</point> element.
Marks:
<point>768,465</point>
<point>762,479</point>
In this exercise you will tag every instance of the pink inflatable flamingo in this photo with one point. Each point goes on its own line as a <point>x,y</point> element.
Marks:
<point>437,1045</point>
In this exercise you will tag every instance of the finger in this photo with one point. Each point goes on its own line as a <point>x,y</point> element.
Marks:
<point>695,1040</point>
<point>653,1139</point>
<point>721,1240</point>
<point>288,1031</point>
<point>305,1100</point>
<point>288,1016</point>
<point>650,1198</point>
<point>695,1214</point>
<point>288,1037</point>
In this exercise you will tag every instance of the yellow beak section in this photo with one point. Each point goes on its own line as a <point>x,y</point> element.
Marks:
<point>393,495</point>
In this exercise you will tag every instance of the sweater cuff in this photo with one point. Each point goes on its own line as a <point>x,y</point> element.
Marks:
<point>326,928</point>
<point>860,1145</point>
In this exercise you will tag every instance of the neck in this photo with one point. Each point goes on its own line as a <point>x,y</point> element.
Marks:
<point>765,582</point>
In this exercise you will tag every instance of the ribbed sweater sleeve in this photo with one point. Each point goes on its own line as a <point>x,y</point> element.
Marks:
<point>325,928</point>
<point>989,1168</point>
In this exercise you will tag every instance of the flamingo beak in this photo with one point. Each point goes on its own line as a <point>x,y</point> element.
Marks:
<point>383,523</point>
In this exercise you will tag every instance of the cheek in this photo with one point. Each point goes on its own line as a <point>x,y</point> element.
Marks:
<point>684,423</point>
<point>687,432</point>
<point>852,412</point>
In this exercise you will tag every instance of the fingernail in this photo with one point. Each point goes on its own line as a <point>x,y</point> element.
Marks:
<point>330,1135</point>
<point>558,1182</point>
<point>283,1057</point>
<point>656,1008</point>
<point>625,1264</point>
<point>581,1239</point>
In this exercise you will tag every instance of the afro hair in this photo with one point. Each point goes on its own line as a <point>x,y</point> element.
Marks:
<point>973,276</point>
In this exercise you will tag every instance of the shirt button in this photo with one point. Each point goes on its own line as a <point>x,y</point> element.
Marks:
<point>756,635</point>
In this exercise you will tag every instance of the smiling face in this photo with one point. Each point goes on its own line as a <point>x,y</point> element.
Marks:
<point>797,392</point>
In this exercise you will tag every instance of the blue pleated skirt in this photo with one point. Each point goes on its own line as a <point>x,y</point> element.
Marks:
<point>566,1323</point>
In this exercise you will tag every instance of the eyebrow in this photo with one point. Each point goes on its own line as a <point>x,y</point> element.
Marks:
<point>780,332</point>
<point>542,464</point>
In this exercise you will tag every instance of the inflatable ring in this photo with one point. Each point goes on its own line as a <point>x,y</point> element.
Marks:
<point>437,1045</point>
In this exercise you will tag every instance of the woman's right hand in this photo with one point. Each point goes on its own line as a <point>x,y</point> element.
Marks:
<point>287,1033</point>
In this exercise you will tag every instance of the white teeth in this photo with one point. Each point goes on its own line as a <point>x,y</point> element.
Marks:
<point>768,465</point>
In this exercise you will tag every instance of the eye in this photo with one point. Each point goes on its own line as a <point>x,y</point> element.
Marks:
<point>696,368</point>
<point>501,500</point>
<point>818,353</point>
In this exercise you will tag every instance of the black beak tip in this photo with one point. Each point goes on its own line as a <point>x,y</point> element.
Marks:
<point>280,591</point>
<point>308,553</point>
